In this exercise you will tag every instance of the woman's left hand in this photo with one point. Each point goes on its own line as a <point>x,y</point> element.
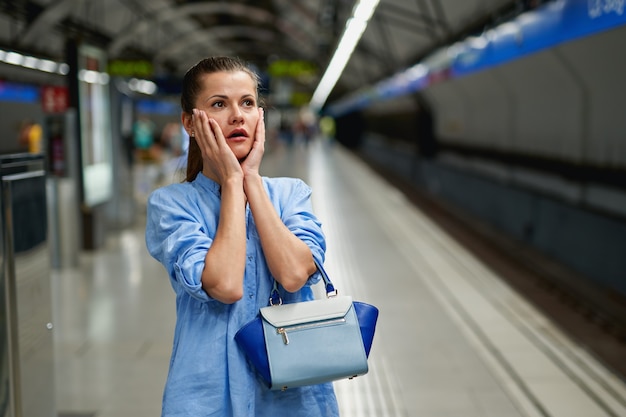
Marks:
<point>252,163</point>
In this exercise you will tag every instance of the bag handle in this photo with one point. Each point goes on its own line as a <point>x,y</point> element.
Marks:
<point>331,291</point>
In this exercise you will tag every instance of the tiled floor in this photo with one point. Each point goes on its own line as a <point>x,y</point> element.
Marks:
<point>452,339</point>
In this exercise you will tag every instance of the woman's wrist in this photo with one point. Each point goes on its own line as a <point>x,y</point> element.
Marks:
<point>233,183</point>
<point>250,179</point>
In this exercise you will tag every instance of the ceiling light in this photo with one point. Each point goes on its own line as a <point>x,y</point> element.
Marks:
<point>64,69</point>
<point>93,77</point>
<point>355,26</point>
<point>30,62</point>
<point>14,58</point>
<point>45,65</point>
<point>142,86</point>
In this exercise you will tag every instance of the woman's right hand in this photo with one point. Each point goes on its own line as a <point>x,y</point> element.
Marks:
<point>219,162</point>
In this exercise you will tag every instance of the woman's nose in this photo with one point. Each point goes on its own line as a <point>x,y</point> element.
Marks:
<point>236,116</point>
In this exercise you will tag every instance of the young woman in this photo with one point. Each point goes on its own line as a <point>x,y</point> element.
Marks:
<point>223,235</point>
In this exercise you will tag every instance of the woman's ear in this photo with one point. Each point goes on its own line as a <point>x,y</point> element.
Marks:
<point>187,121</point>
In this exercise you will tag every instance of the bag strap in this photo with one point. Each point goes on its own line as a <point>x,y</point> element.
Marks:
<point>331,291</point>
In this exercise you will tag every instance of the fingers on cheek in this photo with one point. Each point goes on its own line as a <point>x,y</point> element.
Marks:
<point>200,120</point>
<point>205,127</point>
<point>215,128</point>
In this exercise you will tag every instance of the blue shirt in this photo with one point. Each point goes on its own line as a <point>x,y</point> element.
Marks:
<point>208,374</point>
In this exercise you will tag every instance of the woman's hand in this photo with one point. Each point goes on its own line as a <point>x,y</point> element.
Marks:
<point>219,162</point>
<point>252,163</point>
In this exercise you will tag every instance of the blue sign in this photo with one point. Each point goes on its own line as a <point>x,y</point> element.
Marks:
<point>545,27</point>
<point>14,92</point>
<point>157,107</point>
<point>555,23</point>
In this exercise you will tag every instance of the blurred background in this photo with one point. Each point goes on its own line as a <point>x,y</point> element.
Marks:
<point>502,120</point>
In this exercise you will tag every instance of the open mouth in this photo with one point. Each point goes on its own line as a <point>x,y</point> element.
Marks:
<point>237,134</point>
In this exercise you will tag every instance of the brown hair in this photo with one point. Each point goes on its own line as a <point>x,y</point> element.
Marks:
<point>191,88</point>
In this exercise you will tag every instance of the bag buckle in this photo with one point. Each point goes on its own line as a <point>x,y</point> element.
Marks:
<point>331,291</point>
<point>275,299</point>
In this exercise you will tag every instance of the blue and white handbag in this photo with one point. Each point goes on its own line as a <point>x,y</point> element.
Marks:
<point>310,342</point>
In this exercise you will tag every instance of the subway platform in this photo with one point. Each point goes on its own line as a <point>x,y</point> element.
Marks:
<point>453,339</point>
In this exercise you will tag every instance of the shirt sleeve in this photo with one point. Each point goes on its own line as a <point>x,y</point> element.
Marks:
<point>297,214</point>
<point>177,238</point>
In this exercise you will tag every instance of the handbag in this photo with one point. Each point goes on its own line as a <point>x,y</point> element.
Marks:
<point>309,342</point>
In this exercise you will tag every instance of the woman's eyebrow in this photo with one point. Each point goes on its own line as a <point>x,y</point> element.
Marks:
<point>216,96</point>
<point>222,96</point>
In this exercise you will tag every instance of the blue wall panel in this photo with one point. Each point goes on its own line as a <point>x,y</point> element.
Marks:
<point>587,242</point>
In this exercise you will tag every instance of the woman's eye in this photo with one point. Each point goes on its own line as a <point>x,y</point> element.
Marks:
<point>218,104</point>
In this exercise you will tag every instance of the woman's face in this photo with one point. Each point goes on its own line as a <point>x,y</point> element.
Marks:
<point>230,98</point>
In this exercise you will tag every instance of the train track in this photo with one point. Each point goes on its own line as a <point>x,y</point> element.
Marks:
<point>593,317</point>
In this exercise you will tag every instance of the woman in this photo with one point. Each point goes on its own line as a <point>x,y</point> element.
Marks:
<point>223,235</point>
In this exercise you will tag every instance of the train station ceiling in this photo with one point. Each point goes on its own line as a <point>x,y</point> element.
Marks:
<point>173,34</point>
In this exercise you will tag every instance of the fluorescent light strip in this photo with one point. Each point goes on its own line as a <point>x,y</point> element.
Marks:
<point>142,86</point>
<point>355,26</point>
<point>92,77</point>
<point>31,62</point>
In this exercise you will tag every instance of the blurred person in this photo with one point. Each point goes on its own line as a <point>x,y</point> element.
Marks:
<point>327,128</point>
<point>30,136</point>
<point>143,139</point>
<point>148,154</point>
<point>172,139</point>
<point>223,235</point>
<point>173,155</point>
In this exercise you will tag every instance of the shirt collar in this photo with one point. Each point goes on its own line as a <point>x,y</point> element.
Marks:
<point>207,183</point>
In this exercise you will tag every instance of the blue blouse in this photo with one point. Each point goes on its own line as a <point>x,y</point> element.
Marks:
<point>208,373</point>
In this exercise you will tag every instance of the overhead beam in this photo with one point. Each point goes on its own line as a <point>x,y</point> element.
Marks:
<point>209,39</point>
<point>173,13</point>
<point>441,17</point>
<point>418,24</point>
<point>380,24</point>
<point>46,21</point>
